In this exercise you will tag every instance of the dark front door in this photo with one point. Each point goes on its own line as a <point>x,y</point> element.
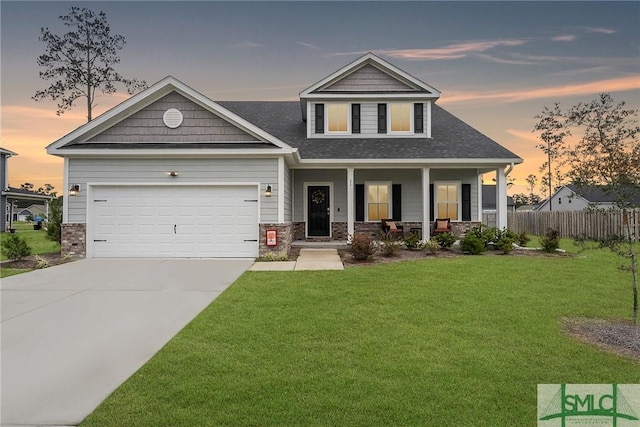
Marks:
<point>318,210</point>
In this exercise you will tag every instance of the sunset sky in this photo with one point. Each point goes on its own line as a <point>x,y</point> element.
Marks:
<point>496,64</point>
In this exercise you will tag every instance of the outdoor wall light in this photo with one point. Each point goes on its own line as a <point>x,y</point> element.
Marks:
<point>267,192</point>
<point>74,190</point>
<point>173,173</point>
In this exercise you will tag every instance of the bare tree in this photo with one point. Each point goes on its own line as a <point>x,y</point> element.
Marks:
<point>81,61</point>
<point>552,125</point>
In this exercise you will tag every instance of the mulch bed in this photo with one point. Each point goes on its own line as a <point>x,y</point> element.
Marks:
<point>618,336</point>
<point>31,263</point>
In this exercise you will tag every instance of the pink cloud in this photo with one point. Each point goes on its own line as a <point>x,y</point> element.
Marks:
<point>599,30</point>
<point>564,38</point>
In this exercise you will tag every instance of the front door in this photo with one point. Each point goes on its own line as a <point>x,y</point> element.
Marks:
<point>318,221</point>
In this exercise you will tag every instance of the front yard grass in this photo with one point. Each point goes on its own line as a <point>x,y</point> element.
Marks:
<point>37,239</point>
<point>439,342</point>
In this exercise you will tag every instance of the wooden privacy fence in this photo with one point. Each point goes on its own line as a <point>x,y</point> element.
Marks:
<point>598,225</point>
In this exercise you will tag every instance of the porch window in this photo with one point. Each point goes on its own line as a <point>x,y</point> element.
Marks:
<point>337,118</point>
<point>378,200</point>
<point>448,197</point>
<point>400,117</point>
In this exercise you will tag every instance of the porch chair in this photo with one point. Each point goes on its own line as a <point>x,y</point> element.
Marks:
<point>442,225</point>
<point>389,226</point>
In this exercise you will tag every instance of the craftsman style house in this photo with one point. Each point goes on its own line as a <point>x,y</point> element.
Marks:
<point>171,173</point>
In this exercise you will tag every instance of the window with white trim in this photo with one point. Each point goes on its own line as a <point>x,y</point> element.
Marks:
<point>400,117</point>
<point>337,118</point>
<point>448,200</point>
<point>378,200</point>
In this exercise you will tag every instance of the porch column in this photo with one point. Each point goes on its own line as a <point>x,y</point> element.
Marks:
<point>350,203</point>
<point>426,218</point>
<point>480,211</point>
<point>501,199</point>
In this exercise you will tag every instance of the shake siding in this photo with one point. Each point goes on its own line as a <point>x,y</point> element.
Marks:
<point>368,79</point>
<point>82,171</point>
<point>199,125</point>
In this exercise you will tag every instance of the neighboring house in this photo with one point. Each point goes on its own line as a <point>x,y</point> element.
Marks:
<point>489,200</point>
<point>4,184</point>
<point>32,212</point>
<point>572,198</point>
<point>16,198</point>
<point>171,173</point>
<point>528,208</point>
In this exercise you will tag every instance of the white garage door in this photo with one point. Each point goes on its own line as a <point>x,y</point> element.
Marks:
<point>173,221</point>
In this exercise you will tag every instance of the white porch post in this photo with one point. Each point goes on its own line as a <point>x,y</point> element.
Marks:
<point>350,203</point>
<point>501,199</point>
<point>426,220</point>
<point>480,211</point>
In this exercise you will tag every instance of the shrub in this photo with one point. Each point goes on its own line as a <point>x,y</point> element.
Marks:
<point>41,262</point>
<point>276,256</point>
<point>550,241</point>
<point>390,248</point>
<point>431,246</point>
<point>505,240</point>
<point>445,240</point>
<point>54,223</point>
<point>362,247</point>
<point>15,247</point>
<point>522,239</point>
<point>411,241</point>
<point>486,235</point>
<point>472,244</point>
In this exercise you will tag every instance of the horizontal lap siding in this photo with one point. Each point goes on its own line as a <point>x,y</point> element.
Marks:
<point>83,171</point>
<point>288,191</point>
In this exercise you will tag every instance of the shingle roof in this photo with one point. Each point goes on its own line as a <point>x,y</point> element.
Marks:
<point>598,195</point>
<point>489,197</point>
<point>451,137</point>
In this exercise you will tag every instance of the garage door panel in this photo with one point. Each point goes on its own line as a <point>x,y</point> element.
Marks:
<point>174,221</point>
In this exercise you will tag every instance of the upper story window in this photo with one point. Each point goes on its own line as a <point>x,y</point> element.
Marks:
<point>400,117</point>
<point>337,118</point>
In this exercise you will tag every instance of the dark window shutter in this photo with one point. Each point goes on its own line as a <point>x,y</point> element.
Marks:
<point>418,117</point>
<point>355,118</point>
<point>466,202</point>
<point>382,118</point>
<point>396,194</point>
<point>431,199</point>
<point>319,118</point>
<point>359,202</point>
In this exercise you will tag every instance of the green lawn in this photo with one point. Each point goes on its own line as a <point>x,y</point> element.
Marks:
<point>440,342</point>
<point>37,239</point>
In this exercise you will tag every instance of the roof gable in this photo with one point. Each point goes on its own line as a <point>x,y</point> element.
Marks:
<point>199,125</point>
<point>361,69</point>
<point>149,96</point>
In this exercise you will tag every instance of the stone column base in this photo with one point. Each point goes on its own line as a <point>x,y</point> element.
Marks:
<point>74,237</point>
<point>285,238</point>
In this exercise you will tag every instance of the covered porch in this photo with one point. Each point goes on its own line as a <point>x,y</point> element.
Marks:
<point>330,204</point>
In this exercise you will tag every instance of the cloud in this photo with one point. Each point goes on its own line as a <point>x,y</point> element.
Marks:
<point>497,60</point>
<point>608,85</point>
<point>309,45</point>
<point>564,38</point>
<point>599,30</point>
<point>247,44</point>
<point>452,51</point>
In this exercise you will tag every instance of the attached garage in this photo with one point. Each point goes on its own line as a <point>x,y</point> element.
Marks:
<point>172,221</point>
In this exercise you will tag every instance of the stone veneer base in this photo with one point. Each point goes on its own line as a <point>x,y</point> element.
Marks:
<point>74,237</point>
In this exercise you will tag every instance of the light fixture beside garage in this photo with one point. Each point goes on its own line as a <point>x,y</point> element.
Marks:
<point>267,192</point>
<point>74,189</point>
<point>172,173</point>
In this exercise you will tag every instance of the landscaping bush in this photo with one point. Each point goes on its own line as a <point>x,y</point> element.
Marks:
<point>431,246</point>
<point>445,240</point>
<point>362,247</point>
<point>550,241</point>
<point>54,223</point>
<point>522,239</point>
<point>411,241</point>
<point>390,244</point>
<point>15,247</point>
<point>472,244</point>
<point>505,240</point>
<point>41,262</point>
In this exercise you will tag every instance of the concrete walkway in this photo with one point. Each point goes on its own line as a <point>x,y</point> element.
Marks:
<point>71,334</point>
<point>309,259</point>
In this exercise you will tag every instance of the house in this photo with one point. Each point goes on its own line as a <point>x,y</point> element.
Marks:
<point>489,200</point>
<point>32,211</point>
<point>4,184</point>
<point>172,173</point>
<point>573,198</point>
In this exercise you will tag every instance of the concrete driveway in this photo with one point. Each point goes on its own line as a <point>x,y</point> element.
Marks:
<point>72,334</point>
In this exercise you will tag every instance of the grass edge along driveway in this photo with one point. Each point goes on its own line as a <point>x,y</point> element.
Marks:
<point>459,341</point>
